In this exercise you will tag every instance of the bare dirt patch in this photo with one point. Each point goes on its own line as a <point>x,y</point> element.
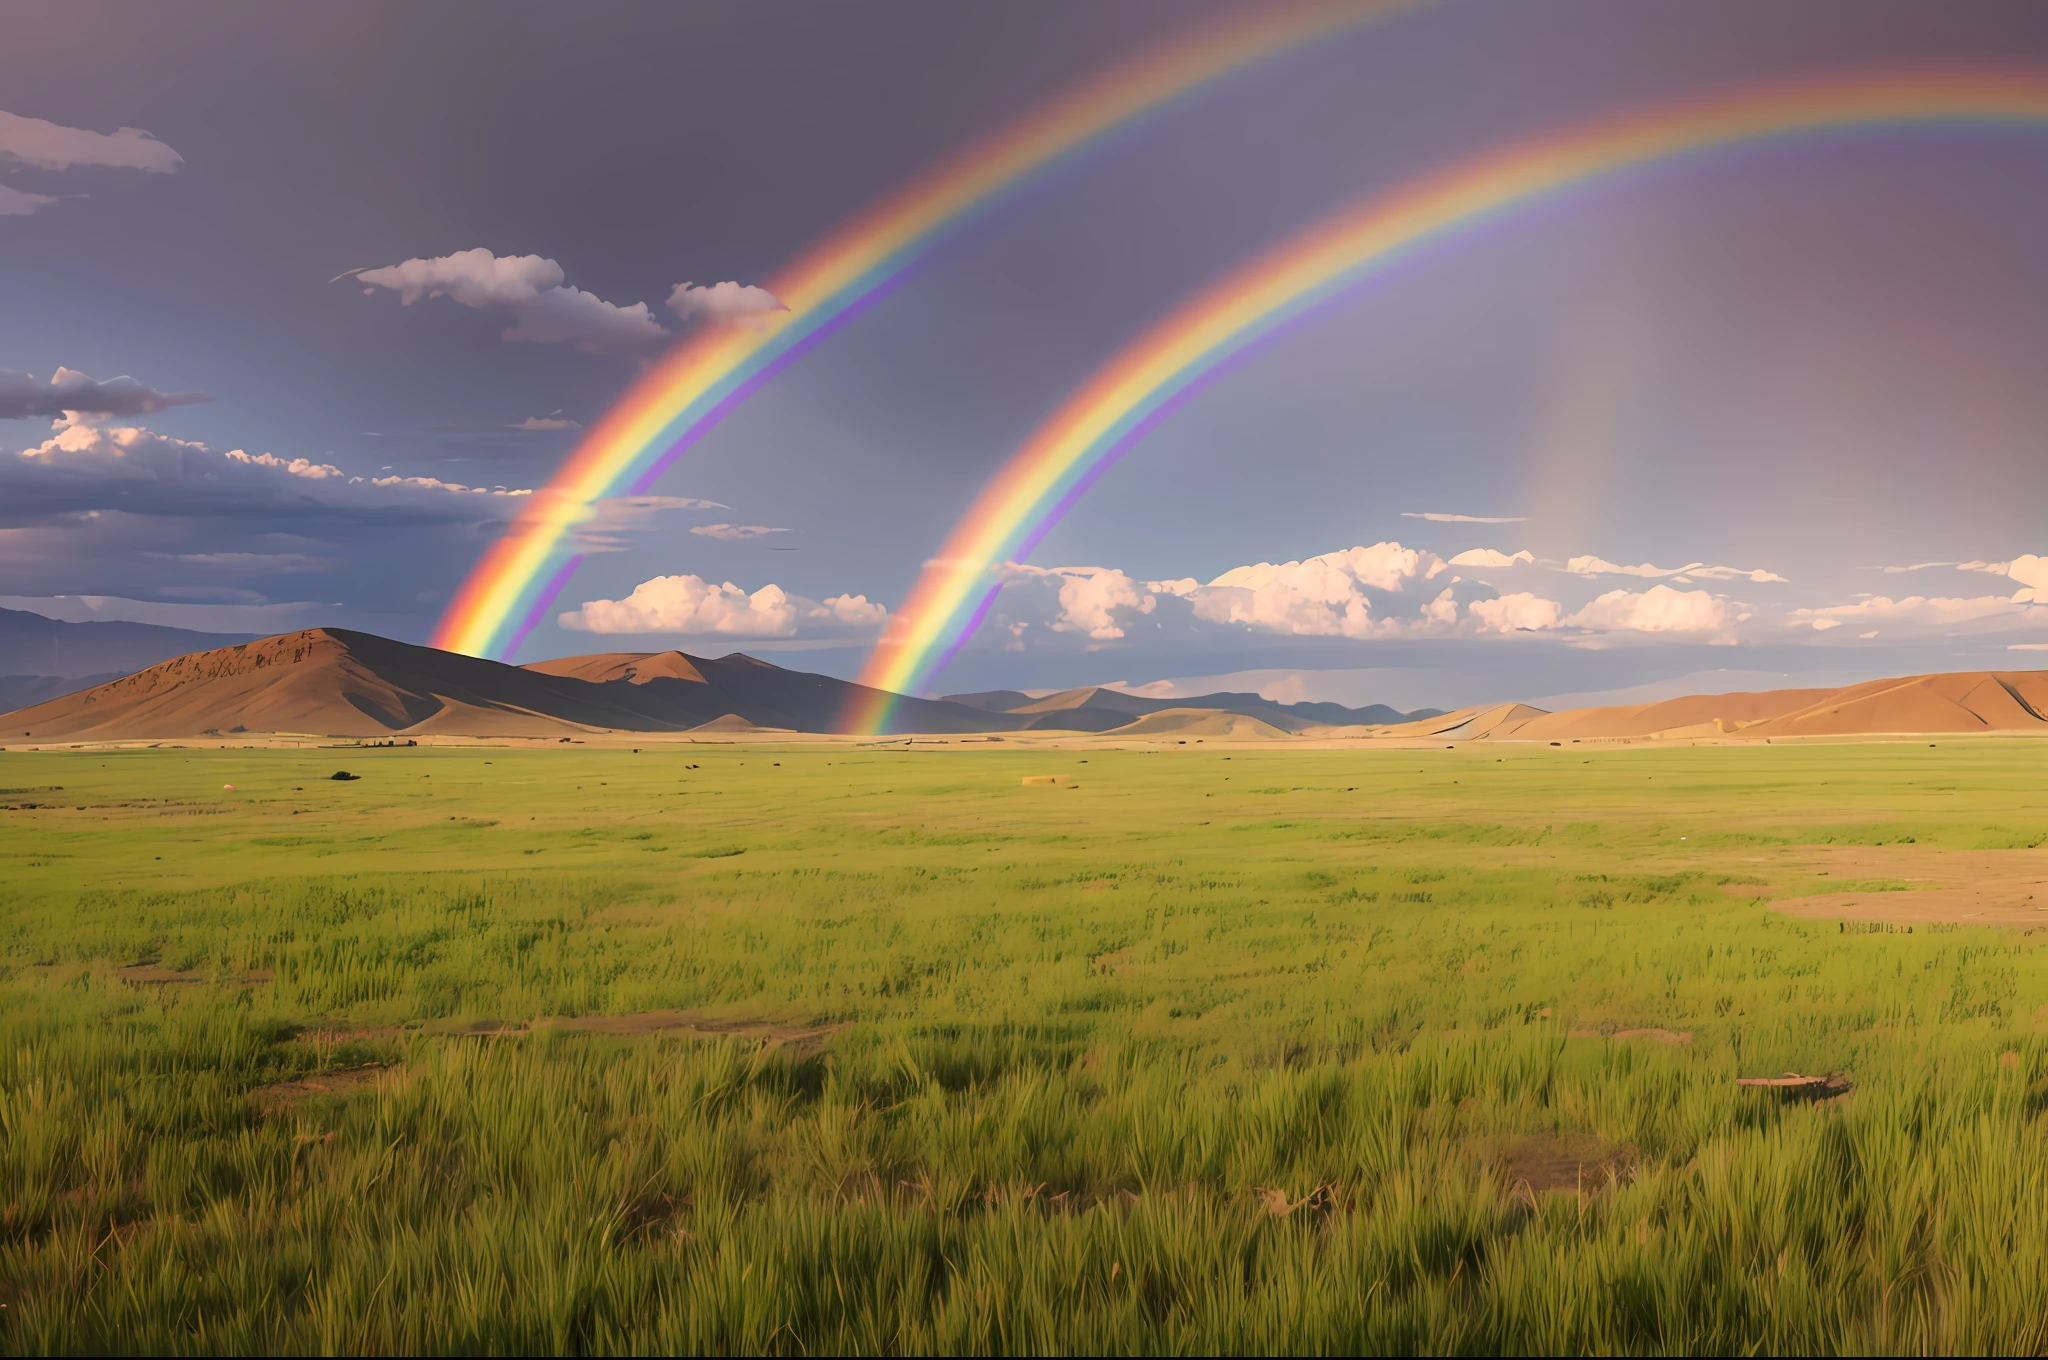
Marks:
<point>639,1025</point>
<point>1647,1036</point>
<point>147,974</point>
<point>669,1022</point>
<point>1580,1163</point>
<point>1973,887</point>
<point>280,1097</point>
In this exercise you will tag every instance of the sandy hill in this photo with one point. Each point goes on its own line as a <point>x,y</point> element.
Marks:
<point>323,680</point>
<point>1469,724</point>
<point>333,681</point>
<point>1207,723</point>
<point>1707,714</point>
<point>1960,701</point>
<point>1953,702</point>
<point>635,668</point>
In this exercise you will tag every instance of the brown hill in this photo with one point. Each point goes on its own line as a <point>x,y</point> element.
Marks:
<point>1960,701</point>
<point>1952,702</point>
<point>677,690</point>
<point>633,667</point>
<point>322,680</point>
<point>1730,711</point>
<point>1201,722</point>
<point>1469,724</point>
<point>336,682</point>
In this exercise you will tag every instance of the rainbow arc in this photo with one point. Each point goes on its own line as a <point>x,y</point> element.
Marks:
<point>684,396</point>
<point>1143,384</point>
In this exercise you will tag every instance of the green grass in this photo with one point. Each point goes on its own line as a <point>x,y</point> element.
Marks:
<point>1085,1041</point>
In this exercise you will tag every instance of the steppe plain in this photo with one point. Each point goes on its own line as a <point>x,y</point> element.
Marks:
<point>821,1046</point>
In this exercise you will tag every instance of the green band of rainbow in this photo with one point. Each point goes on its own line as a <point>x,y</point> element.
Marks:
<point>690,391</point>
<point>1129,395</point>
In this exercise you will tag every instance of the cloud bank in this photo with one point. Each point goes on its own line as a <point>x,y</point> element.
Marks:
<point>74,395</point>
<point>38,144</point>
<point>535,292</point>
<point>43,145</point>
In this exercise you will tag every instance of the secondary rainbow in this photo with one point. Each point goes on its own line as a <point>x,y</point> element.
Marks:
<point>1142,385</point>
<point>686,394</point>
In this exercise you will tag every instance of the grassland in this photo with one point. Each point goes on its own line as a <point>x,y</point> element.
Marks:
<point>1209,1049</point>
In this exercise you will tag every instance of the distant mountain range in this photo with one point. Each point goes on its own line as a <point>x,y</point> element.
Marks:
<point>1096,709</point>
<point>337,682</point>
<point>43,658</point>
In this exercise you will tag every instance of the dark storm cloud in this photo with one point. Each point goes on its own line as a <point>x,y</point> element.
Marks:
<point>22,397</point>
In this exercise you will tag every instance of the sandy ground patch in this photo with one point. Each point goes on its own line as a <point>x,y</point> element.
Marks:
<point>279,1097</point>
<point>1647,1036</point>
<point>1576,1162</point>
<point>143,974</point>
<point>1973,887</point>
<point>667,1022</point>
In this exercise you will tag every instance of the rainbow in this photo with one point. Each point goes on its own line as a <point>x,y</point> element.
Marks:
<point>684,396</point>
<point>1143,384</point>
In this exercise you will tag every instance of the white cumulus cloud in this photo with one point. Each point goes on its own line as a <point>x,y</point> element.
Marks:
<point>1520,612</point>
<point>2032,574</point>
<point>1092,603</point>
<point>129,451</point>
<point>1321,597</point>
<point>690,604</point>
<point>534,290</point>
<point>1597,566</point>
<point>1442,518</point>
<point>1488,557</point>
<point>1097,601</point>
<point>726,301</point>
<point>1660,609</point>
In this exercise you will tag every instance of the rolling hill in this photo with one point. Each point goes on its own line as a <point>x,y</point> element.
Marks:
<point>1950,702</point>
<point>333,681</point>
<point>337,682</point>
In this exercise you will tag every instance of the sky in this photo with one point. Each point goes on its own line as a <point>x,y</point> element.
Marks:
<point>296,302</point>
